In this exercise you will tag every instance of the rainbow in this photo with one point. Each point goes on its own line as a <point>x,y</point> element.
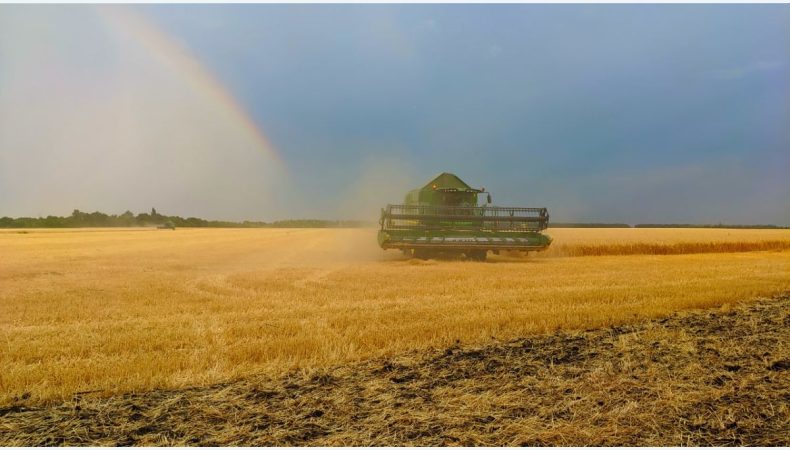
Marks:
<point>177,58</point>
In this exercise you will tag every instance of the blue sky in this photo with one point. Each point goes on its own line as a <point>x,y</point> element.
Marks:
<point>627,113</point>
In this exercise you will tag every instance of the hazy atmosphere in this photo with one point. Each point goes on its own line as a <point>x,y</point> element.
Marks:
<point>615,113</point>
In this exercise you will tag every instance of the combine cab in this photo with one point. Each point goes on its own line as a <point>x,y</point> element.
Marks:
<point>444,217</point>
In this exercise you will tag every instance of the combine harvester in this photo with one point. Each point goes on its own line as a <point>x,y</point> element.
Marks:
<point>443,217</point>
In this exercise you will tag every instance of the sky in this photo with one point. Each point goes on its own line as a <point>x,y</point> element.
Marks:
<point>601,113</point>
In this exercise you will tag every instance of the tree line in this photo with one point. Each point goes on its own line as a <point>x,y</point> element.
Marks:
<point>658,225</point>
<point>79,219</point>
<point>691,225</point>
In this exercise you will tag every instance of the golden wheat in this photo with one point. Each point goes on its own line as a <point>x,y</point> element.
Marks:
<point>120,311</point>
<point>663,241</point>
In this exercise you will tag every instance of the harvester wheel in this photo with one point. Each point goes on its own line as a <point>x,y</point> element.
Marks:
<point>477,255</point>
<point>422,253</point>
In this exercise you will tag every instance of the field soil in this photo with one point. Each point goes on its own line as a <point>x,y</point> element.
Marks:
<point>702,377</point>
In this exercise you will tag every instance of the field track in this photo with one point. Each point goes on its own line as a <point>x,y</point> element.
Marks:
<point>705,377</point>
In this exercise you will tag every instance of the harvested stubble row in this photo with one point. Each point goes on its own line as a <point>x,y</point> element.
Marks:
<point>714,377</point>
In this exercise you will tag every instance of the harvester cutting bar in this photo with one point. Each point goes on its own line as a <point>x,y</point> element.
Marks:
<point>432,217</point>
<point>465,242</point>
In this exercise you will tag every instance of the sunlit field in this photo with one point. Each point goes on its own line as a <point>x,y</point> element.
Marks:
<point>137,309</point>
<point>661,241</point>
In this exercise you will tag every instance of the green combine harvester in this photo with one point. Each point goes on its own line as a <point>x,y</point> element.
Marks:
<point>443,217</point>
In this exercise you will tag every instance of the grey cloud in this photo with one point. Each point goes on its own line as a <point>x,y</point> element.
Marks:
<point>734,73</point>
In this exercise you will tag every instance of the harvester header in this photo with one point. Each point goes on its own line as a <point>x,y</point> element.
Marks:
<point>444,216</point>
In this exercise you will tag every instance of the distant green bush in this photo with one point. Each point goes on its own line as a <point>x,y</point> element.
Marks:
<point>79,219</point>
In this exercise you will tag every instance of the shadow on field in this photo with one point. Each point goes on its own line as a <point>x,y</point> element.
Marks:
<point>491,259</point>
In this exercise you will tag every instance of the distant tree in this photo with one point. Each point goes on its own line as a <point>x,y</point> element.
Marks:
<point>143,219</point>
<point>126,219</point>
<point>98,219</point>
<point>53,222</point>
<point>77,219</point>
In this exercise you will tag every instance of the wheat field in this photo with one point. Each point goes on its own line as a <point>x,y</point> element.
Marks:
<point>115,311</point>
